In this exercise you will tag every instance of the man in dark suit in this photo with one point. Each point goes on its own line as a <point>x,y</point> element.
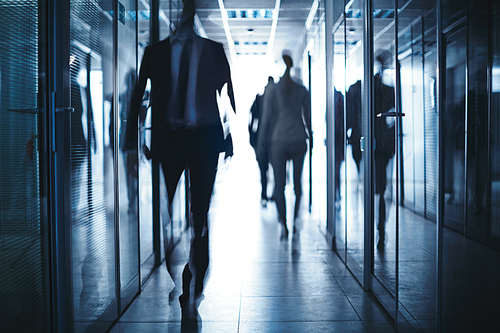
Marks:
<point>261,152</point>
<point>185,71</point>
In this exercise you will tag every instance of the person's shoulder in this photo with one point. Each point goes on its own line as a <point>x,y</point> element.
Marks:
<point>157,47</point>
<point>211,43</point>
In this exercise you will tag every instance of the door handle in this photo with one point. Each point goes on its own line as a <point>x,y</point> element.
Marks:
<point>390,114</point>
<point>65,109</point>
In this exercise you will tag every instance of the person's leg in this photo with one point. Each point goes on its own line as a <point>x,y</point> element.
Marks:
<point>380,186</point>
<point>263,162</point>
<point>202,171</point>
<point>298,155</point>
<point>278,161</point>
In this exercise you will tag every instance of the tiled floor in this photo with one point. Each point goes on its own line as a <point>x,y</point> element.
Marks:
<point>257,282</point>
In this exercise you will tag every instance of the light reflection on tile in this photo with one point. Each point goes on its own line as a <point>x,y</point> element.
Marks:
<point>257,282</point>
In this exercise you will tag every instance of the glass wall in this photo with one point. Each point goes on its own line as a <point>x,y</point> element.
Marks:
<point>92,161</point>
<point>24,248</point>
<point>470,256</point>
<point>494,126</point>
<point>431,272</point>
<point>342,162</point>
<point>315,162</point>
<point>417,57</point>
<point>145,164</point>
<point>127,183</point>
<point>385,161</point>
<point>354,175</point>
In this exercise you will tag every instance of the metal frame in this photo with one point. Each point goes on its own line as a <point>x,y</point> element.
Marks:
<point>59,123</point>
<point>368,131</point>
<point>397,155</point>
<point>330,138</point>
<point>115,138</point>
<point>440,205</point>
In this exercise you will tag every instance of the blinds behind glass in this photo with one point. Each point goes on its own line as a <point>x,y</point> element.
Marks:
<point>91,161</point>
<point>24,299</point>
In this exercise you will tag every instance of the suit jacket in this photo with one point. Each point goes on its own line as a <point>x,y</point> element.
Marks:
<point>286,106</point>
<point>212,73</point>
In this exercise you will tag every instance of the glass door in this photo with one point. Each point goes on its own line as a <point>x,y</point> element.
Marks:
<point>24,247</point>
<point>93,156</point>
<point>385,160</point>
<point>417,57</point>
<point>354,175</point>
<point>341,161</point>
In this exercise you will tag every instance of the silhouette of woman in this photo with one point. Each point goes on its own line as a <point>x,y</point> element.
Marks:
<point>286,107</point>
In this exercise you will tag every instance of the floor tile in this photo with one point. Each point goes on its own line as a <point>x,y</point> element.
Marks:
<point>296,309</point>
<point>303,327</point>
<point>257,282</point>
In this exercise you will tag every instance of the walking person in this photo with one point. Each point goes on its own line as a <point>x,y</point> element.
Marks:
<point>186,71</point>
<point>285,129</point>
<point>262,151</point>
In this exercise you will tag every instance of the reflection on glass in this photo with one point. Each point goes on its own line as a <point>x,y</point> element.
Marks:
<point>384,223</point>
<point>92,209</point>
<point>477,127</point>
<point>145,188</point>
<point>127,188</point>
<point>340,138</point>
<point>495,127</point>
<point>170,15</point>
<point>24,249</point>
<point>454,115</point>
<point>318,123</point>
<point>417,236</point>
<point>354,175</point>
<point>471,260</point>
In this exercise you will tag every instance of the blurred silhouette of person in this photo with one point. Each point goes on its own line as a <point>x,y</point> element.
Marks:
<point>353,121</point>
<point>477,143</point>
<point>261,152</point>
<point>185,71</point>
<point>286,107</point>
<point>339,139</point>
<point>81,146</point>
<point>384,137</point>
<point>124,102</point>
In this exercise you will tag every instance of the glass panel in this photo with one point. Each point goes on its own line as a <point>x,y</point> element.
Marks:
<point>318,123</point>
<point>384,162</point>
<point>470,299</point>
<point>24,292</point>
<point>170,15</point>
<point>340,159</point>
<point>354,71</point>
<point>495,126</point>
<point>430,116</point>
<point>454,115</point>
<point>453,10</point>
<point>145,165</point>
<point>477,126</point>
<point>128,191</point>
<point>417,235</point>
<point>92,202</point>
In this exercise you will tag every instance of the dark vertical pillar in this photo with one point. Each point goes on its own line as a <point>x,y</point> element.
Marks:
<point>441,47</point>
<point>59,165</point>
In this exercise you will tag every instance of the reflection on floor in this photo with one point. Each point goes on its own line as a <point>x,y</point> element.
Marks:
<point>258,283</point>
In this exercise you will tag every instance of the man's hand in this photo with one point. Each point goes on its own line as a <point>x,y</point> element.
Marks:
<point>133,164</point>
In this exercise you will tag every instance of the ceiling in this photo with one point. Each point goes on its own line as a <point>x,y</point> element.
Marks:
<point>246,27</point>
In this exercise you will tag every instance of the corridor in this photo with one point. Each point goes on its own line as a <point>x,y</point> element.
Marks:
<point>258,283</point>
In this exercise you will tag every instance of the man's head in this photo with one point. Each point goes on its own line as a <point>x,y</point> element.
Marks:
<point>287,58</point>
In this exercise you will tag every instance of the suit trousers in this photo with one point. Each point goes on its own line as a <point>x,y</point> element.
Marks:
<point>196,150</point>
<point>281,152</point>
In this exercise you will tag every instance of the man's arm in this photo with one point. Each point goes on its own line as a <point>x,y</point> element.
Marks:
<point>136,101</point>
